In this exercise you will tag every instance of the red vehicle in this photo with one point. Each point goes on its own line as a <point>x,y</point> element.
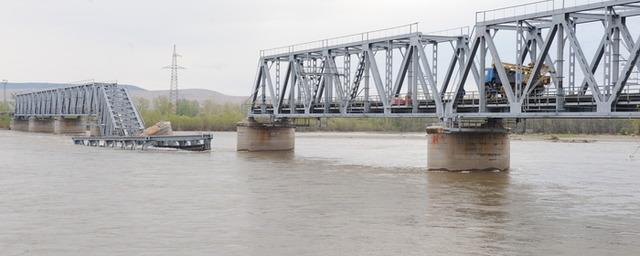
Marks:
<point>400,101</point>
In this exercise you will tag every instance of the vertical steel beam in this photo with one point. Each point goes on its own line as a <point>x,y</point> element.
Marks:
<point>560,42</point>
<point>483,66</point>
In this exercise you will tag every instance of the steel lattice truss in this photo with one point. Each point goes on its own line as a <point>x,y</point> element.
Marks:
<point>377,74</point>
<point>109,103</point>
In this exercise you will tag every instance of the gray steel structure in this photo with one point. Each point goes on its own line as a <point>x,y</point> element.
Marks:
<point>306,81</point>
<point>186,142</point>
<point>108,102</point>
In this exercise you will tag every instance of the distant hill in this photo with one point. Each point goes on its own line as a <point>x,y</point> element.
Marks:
<point>200,95</point>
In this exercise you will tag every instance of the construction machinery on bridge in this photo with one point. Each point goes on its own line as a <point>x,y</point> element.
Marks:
<point>517,77</point>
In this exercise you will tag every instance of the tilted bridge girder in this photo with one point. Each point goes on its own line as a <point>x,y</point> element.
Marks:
<point>109,103</point>
<point>397,73</point>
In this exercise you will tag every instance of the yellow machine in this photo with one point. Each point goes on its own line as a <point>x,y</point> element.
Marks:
<point>494,84</point>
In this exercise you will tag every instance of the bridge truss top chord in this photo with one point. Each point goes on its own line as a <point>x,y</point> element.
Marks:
<point>399,73</point>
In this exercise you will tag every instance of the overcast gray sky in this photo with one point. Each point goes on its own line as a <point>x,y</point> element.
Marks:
<point>130,40</point>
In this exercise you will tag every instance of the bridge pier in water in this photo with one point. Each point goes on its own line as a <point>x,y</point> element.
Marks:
<point>75,125</point>
<point>52,124</point>
<point>273,136</point>
<point>483,148</point>
<point>41,125</point>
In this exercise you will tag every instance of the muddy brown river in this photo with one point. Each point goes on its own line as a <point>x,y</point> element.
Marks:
<point>337,194</point>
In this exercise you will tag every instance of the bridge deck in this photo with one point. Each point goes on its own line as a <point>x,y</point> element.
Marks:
<point>575,106</point>
<point>184,142</point>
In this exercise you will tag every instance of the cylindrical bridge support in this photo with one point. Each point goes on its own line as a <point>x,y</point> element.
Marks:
<point>468,149</point>
<point>276,136</point>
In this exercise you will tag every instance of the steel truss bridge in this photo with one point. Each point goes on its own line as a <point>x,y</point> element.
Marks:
<point>401,72</point>
<point>109,103</point>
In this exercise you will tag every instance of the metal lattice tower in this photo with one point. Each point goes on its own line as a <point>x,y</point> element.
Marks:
<point>173,88</point>
<point>4,91</point>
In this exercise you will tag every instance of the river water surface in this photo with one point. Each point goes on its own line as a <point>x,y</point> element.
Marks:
<point>338,194</point>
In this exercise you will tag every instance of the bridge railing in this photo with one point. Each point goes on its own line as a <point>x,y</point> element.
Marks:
<point>451,32</point>
<point>530,8</point>
<point>353,38</point>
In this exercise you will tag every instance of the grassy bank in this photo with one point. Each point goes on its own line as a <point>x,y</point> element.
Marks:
<point>5,119</point>
<point>191,116</point>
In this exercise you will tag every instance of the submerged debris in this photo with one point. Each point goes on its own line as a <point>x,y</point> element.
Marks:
<point>554,138</point>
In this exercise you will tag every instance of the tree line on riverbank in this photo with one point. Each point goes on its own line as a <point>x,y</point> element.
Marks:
<point>190,114</point>
<point>5,118</point>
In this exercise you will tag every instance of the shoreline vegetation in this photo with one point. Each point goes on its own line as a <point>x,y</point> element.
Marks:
<point>208,116</point>
<point>5,119</point>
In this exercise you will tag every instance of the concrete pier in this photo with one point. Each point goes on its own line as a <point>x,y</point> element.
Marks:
<point>18,124</point>
<point>74,125</point>
<point>94,129</point>
<point>44,125</point>
<point>468,149</point>
<point>255,137</point>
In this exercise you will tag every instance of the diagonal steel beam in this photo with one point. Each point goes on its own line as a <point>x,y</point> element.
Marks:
<point>582,60</point>
<point>302,84</point>
<point>539,63</point>
<point>376,77</point>
<point>502,74</point>
<point>449,73</point>
<point>267,77</point>
<point>336,78</point>
<point>597,57</point>
<point>404,67</point>
<point>628,39</point>
<point>626,72</point>
<point>254,96</point>
<point>548,60</point>
<point>283,91</point>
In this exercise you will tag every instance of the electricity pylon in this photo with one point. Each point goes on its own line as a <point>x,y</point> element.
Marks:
<point>173,89</point>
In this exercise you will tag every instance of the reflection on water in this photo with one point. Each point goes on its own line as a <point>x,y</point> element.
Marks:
<point>277,157</point>
<point>474,204</point>
<point>335,195</point>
